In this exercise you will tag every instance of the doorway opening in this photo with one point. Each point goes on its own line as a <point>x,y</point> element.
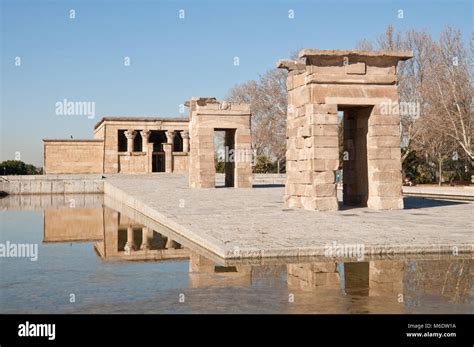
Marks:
<point>157,138</point>
<point>224,152</point>
<point>356,278</point>
<point>354,129</point>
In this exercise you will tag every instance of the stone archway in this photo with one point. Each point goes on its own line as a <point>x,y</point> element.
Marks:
<point>363,85</point>
<point>208,115</point>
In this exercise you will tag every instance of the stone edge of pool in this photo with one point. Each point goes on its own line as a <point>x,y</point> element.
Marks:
<point>219,248</point>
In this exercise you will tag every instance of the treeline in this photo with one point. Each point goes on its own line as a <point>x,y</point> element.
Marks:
<point>437,139</point>
<point>17,167</point>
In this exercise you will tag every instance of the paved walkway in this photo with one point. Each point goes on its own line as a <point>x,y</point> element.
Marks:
<point>247,223</point>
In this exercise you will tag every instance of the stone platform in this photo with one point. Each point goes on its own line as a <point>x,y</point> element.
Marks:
<point>253,223</point>
<point>465,193</point>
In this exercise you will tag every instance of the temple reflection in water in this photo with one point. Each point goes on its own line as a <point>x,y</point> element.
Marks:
<point>167,264</point>
<point>123,238</point>
<point>119,237</point>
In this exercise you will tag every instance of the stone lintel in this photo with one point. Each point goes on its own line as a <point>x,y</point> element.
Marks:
<point>350,79</point>
<point>140,120</point>
<point>315,53</point>
<point>291,65</point>
<point>212,106</point>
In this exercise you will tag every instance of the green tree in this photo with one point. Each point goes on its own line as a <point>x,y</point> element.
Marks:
<point>263,165</point>
<point>220,166</point>
<point>17,167</point>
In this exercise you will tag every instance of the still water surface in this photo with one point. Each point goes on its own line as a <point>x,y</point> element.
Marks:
<point>94,259</point>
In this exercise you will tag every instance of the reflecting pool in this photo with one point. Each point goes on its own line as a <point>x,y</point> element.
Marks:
<point>100,257</point>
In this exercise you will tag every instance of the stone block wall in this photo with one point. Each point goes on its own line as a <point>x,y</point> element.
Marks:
<point>73,156</point>
<point>320,85</point>
<point>180,162</point>
<point>135,163</point>
<point>386,278</point>
<point>74,224</point>
<point>311,275</point>
<point>206,116</point>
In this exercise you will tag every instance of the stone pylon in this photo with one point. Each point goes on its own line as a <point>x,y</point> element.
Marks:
<point>358,89</point>
<point>208,115</point>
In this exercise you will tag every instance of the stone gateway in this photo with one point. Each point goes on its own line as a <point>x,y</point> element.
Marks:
<point>357,86</point>
<point>328,91</point>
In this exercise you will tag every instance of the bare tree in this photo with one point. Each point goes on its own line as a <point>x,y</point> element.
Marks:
<point>364,45</point>
<point>390,40</point>
<point>436,148</point>
<point>411,75</point>
<point>268,99</point>
<point>450,86</point>
<point>438,80</point>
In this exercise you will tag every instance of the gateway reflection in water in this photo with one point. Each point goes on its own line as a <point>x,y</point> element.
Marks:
<point>144,267</point>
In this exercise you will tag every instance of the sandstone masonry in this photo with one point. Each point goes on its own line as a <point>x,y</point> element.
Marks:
<point>358,84</point>
<point>208,115</point>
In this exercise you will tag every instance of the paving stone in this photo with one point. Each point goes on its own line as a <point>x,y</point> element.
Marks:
<point>254,223</point>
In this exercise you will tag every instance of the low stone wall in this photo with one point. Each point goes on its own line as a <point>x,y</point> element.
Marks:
<point>137,162</point>
<point>180,162</point>
<point>52,184</point>
<point>90,184</point>
<point>465,193</point>
<point>50,201</point>
<point>258,179</point>
<point>269,179</point>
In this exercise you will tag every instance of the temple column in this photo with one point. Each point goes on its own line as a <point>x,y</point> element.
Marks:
<point>130,245</point>
<point>168,149</point>
<point>145,238</point>
<point>145,134</point>
<point>170,136</point>
<point>185,136</point>
<point>130,135</point>
<point>171,244</point>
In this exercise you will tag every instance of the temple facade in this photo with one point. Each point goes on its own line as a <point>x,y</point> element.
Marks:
<point>123,145</point>
<point>135,145</point>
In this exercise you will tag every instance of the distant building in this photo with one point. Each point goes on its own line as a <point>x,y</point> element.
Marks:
<point>123,145</point>
<point>133,145</point>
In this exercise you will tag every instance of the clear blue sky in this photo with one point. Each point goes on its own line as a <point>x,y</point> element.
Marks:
<point>171,59</point>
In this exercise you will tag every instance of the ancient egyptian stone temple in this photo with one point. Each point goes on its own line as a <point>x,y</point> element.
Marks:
<point>357,91</point>
<point>137,145</point>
